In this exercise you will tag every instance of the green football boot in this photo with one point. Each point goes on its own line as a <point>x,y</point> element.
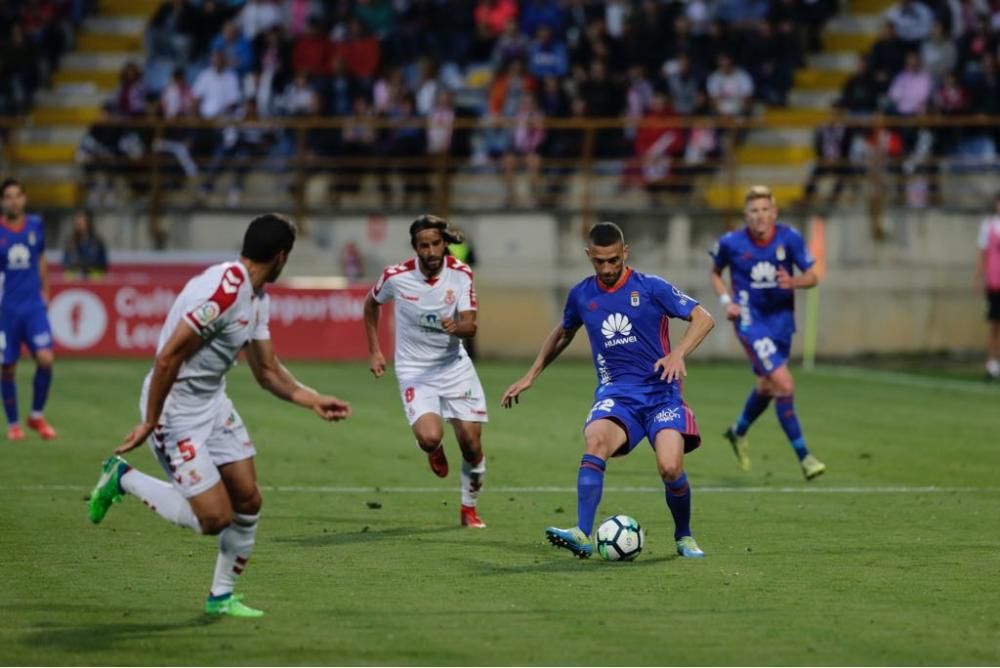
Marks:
<point>812,467</point>
<point>741,448</point>
<point>108,488</point>
<point>231,605</point>
<point>573,540</point>
<point>687,547</point>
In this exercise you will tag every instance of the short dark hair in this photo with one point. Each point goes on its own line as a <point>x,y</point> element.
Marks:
<point>429,222</point>
<point>7,183</point>
<point>266,236</point>
<point>606,234</point>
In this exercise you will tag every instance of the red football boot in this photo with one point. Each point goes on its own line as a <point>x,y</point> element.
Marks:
<point>471,519</point>
<point>43,428</point>
<point>15,433</point>
<point>438,461</point>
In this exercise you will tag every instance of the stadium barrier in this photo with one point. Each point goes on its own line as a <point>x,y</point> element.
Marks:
<point>121,315</point>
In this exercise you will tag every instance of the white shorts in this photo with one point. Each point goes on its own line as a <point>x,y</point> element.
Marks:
<point>192,446</point>
<point>454,393</point>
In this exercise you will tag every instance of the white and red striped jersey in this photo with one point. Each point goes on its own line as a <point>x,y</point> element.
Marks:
<point>422,345</point>
<point>219,304</point>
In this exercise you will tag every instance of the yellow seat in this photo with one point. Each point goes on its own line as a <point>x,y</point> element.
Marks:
<point>102,79</point>
<point>65,115</point>
<point>60,194</point>
<point>93,42</point>
<point>809,79</point>
<point>796,117</point>
<point>750,154</point>
<point>857,42</point>
<point>725,198</point>
<point>42,154</point>
<point>142,8</point>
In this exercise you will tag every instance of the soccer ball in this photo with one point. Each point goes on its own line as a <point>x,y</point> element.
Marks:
<point>619,538</point>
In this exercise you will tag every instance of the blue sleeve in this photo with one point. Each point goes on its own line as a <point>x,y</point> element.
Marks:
<point>41,236</point>
<point>720,254</point>
<point>800,255</point>
<point>571,313</point>
<point>672,301</point>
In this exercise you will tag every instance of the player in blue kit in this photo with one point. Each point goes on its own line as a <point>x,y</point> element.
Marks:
<point>639,375</point>
<point>762,258</point>
<point>23,312</point>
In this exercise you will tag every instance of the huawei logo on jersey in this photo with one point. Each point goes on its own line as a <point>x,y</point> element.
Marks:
<point>18,257</point>
<point>617,330</point>
<point>231,281</point>
<point>763,275</point>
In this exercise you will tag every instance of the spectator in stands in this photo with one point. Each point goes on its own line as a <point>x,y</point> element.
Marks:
<point>861,91</point>
<point>504,101</point>
<point>511,44</point>
<point>650,36</point>
<point>217,89</point>
<point>912,20</point>
<point>243,146</point>
<point>523,151</point>
<point>546,56</point>
<point>84,255</point>
<point>552,99</point>
<point>911,89</point>
<point>272,71</point>
<point>730,89</point>
<point>21,58</point>
<point>537,13</point>
<point>259,16</point>
<point>388,90</point>
<point>176,99</point>
<point>887,54</point>
<point>360,52</point>
<point>768,64</point>
<point>938,53</point>
<point>42,26</point>
<point>377,16</point>
<point>312,53</point>
<point>683,86</point>
<point>439,131</point>
<point>213,15</point>
<point>170,33</point>
<point>832,144</point>
<point>341,89</point>
<point>427,86</point>
<point>404,139</point>
<point>235,47</point>
<point>492,16</point>
<point>973,45</point>
<point>814,14</point>
<point>358,143</point>
<point>638,97</point>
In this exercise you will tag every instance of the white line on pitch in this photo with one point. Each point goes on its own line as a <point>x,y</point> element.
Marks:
<point>707,489</point>
<point>906,379</point>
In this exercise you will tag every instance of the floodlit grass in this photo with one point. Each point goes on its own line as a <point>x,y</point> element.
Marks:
<point>360,559</point>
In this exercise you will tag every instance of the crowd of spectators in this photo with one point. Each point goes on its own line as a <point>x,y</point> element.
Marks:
<point>931,57</point>
<point>34,34</point>
<point>420,64</point>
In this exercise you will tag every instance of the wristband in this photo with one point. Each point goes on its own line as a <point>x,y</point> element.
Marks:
<point>725,299</point>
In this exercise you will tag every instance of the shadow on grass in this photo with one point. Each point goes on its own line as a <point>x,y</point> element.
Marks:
<point>363,536</point>
<point>568,564</point>
<point>102,637</point>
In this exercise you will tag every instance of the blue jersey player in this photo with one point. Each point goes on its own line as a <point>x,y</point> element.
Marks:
<point>762,258</point>
<point>626,315</point>
<point>23,315</point>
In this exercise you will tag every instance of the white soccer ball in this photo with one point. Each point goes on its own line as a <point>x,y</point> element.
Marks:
<point>619,538</point>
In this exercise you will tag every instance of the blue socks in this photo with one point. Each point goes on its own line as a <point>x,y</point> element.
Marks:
<point>43,379</point>
<point>756,404</point>
<point>785,406</point>
<point>589,486</point>
<point>678,493</point>
<point>8,389</point>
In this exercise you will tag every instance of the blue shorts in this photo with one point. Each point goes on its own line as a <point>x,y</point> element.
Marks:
<point>767,351</point>
<point>644,415</point>
<point>24,327</point>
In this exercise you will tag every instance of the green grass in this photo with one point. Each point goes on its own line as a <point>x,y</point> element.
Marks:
<point>793,575</point>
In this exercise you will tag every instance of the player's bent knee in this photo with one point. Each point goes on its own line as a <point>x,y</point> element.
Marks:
<point>45,358</point>
<point>670,471</point>
<point>213,525</point>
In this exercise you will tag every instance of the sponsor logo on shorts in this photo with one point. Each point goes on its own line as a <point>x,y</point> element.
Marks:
<point>668,415</point>
<point>408,394</point>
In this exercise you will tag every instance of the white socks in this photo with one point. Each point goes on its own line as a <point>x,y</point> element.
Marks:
<point>161,497</point>
<point>235,545</point>
<point>472,480</point>
<point>993,368</point>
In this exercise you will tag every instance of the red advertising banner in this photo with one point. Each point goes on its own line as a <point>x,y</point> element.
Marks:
<point>121,316</point>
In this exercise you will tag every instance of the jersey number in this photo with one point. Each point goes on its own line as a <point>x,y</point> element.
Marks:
<point>603,405</point>
<point>187,449</point>
<point>764,347</point>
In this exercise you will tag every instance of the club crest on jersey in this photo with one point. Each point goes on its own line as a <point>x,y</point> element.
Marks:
<point>780,253</point>
<point>206,313</point>
<point>449,297</point>
<point>634,298</point>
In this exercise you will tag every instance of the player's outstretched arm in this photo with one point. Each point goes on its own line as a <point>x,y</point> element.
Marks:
<point>672,367</point>
<point>554,344</point>
<point>272,375</point>
<point>722,290</point>
<point>376,360</point>
<point>183,343</point>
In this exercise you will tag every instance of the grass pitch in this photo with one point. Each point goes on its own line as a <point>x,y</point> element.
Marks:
<point>892,557</point>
